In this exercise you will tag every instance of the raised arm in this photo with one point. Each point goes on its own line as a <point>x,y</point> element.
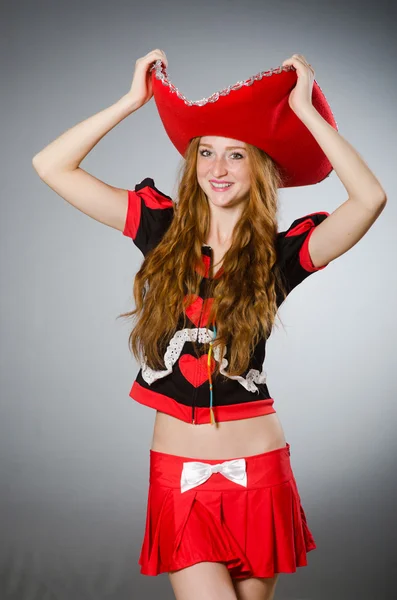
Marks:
<point>58,163</point>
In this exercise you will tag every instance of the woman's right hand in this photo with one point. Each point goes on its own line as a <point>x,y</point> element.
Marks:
<point>141,89</point>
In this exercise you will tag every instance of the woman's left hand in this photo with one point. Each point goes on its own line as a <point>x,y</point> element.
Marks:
<point>300,99</point>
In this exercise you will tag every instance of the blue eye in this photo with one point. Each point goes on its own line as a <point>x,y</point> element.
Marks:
<point>234,153</point>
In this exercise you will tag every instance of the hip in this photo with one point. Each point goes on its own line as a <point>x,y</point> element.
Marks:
<point>225,439</point>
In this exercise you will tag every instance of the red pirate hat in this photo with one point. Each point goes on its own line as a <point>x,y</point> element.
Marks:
<point>255,111</point>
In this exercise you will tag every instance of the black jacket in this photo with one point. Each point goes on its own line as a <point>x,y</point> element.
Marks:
<point>182,389</point>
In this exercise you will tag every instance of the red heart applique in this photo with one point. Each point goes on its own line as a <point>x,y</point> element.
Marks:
<point>195,370</point>
<point>194,309</point>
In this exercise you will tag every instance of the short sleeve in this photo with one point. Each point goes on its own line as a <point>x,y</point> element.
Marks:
<point>149,214</point>
<point>293,249</point>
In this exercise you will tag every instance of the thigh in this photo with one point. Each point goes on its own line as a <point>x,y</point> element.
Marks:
<point>256,588</point>
<point>209,580</point>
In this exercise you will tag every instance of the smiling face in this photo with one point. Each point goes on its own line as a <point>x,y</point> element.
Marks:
<point>224,160</point>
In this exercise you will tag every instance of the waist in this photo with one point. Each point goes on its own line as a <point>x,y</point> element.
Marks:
<point>227,439</point>
<point>263,470</point>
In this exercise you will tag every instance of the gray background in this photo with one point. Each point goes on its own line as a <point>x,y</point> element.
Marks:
<point>73,445</point>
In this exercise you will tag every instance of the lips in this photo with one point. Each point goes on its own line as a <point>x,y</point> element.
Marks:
<point>221,189</point>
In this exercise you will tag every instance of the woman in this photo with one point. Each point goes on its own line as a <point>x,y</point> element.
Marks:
<point>224,516</point>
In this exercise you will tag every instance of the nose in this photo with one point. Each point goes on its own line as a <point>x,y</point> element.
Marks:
<point>219,168</point>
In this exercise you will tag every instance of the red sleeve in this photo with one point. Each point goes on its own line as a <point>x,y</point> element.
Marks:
<point>293,249</point>
<point>149,215</point>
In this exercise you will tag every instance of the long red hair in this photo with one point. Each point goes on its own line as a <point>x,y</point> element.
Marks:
<point>245,301</point>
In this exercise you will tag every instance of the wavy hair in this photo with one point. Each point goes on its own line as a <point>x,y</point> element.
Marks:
<point>245,296</point>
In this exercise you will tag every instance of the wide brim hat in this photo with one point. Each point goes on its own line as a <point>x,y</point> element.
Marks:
<point>255,111</point>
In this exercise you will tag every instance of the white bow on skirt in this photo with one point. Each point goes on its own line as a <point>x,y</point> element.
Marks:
<point>195,472</point>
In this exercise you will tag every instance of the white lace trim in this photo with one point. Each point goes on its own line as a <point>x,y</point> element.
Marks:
<point>203,335</point>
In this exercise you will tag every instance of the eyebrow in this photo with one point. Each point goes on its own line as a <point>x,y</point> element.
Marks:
<point>227,147</point>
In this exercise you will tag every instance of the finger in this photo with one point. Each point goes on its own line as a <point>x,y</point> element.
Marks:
<point>165,58</point>
<point>296,60</point>
<point>301,59</point>
<point>288,61</point>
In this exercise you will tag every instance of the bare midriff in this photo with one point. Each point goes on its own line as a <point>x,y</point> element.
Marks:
<point>227,439</point>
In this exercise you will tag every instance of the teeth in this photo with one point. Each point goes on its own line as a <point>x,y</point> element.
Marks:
<point>221,185</point>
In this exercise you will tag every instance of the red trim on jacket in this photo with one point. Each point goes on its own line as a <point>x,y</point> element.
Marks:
<point>231,412</point>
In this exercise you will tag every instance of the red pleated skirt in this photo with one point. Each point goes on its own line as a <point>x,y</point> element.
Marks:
<point>256,531</point>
